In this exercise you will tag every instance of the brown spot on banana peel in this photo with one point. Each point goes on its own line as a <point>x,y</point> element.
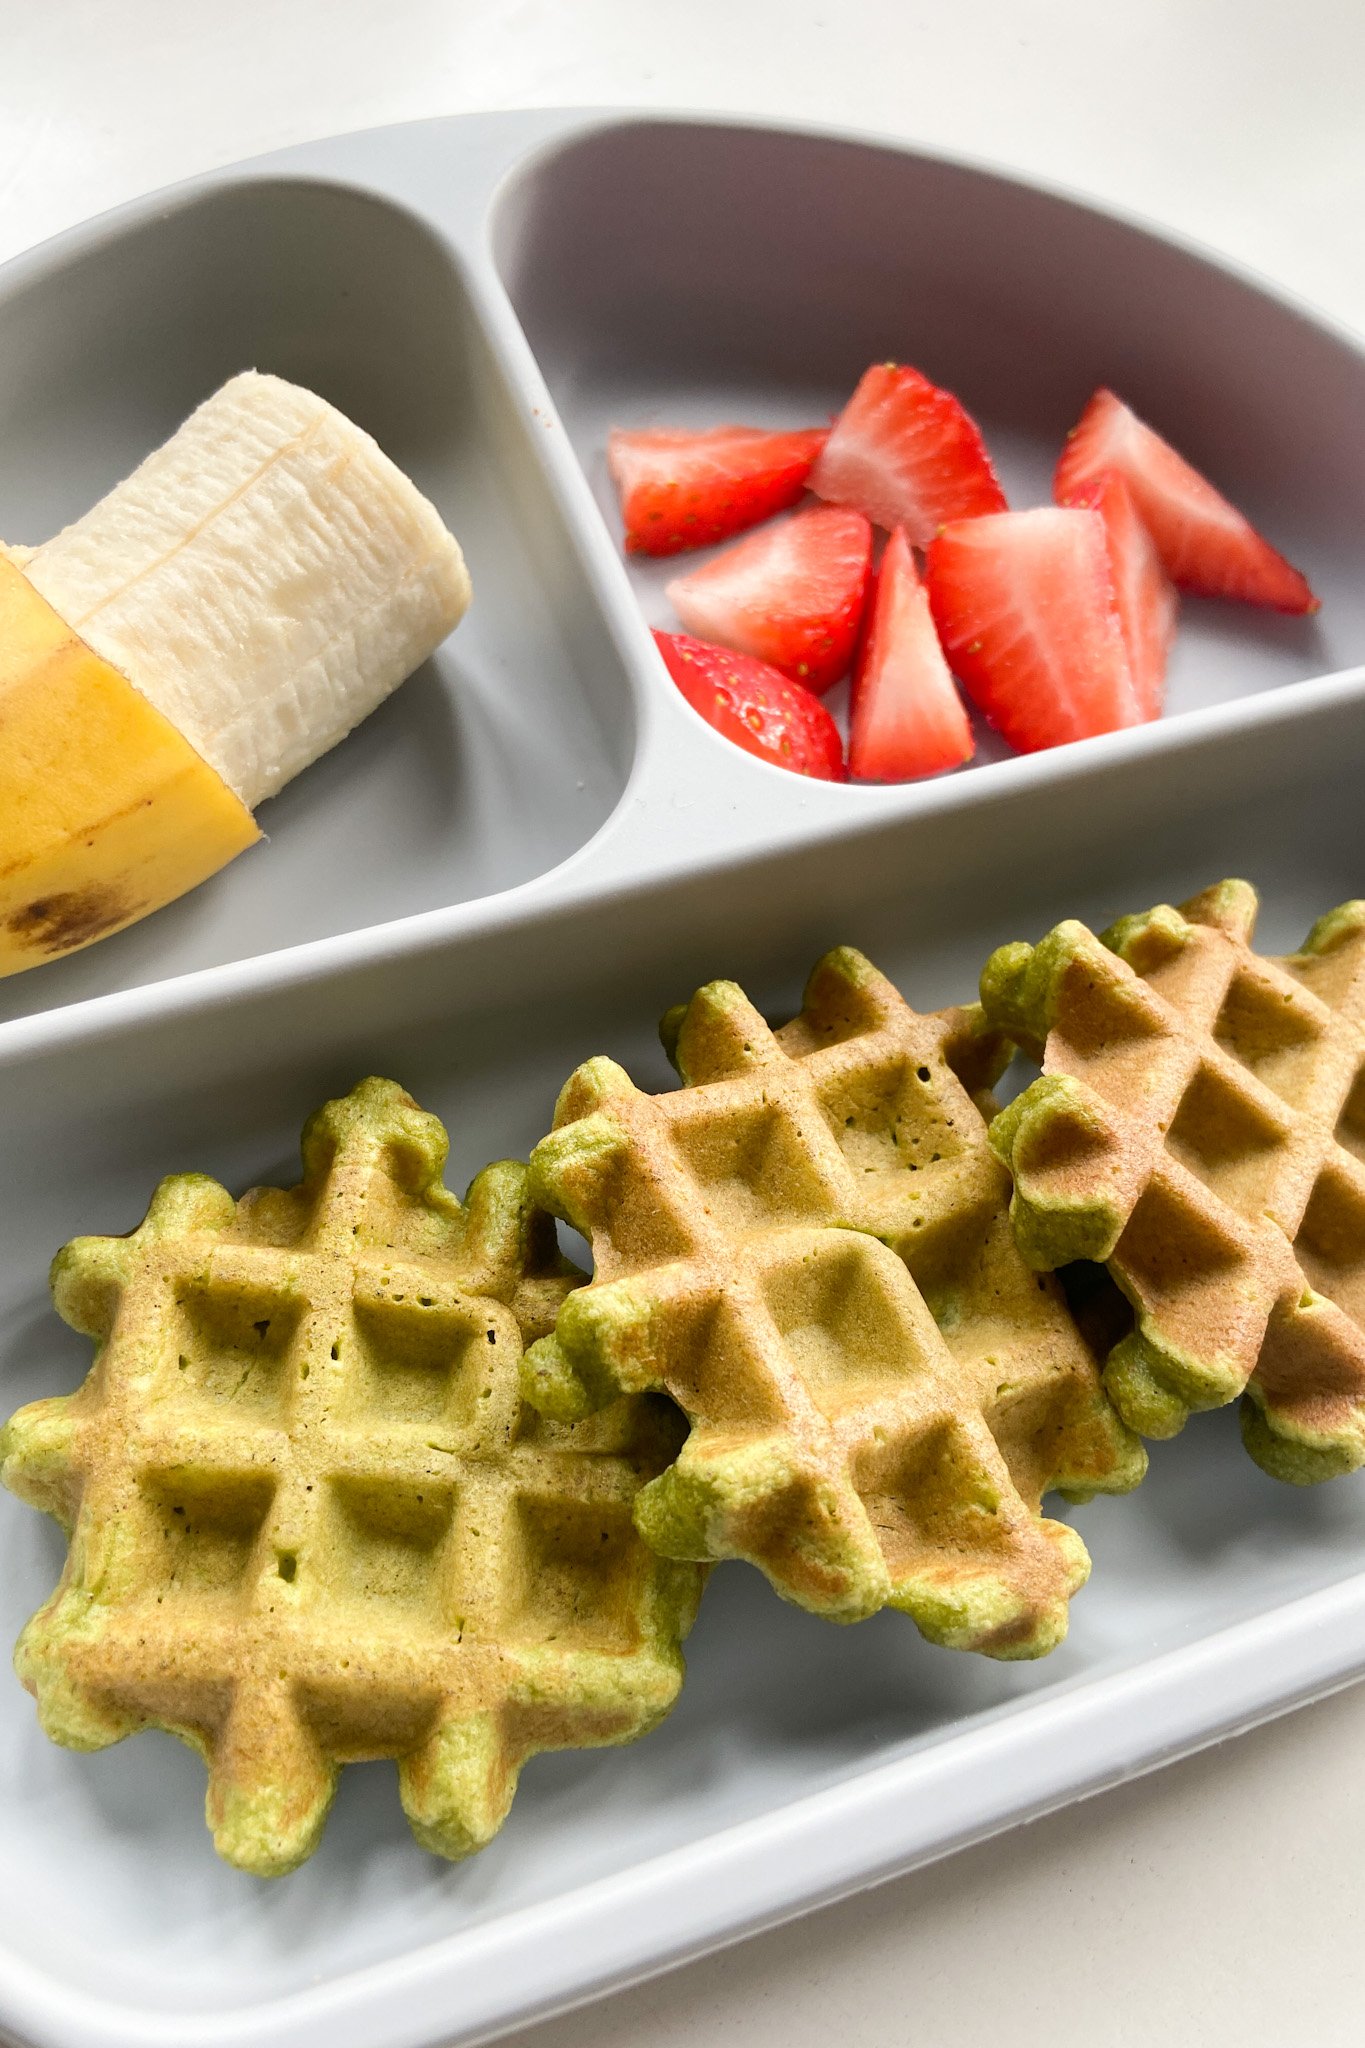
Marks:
<point>73,917</point>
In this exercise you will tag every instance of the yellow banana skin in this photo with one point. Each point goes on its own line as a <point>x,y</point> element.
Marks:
<point>106,810</point>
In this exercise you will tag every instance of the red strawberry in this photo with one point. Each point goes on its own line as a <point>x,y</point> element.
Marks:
<point>905,453</point>
<point>1143,591</point>
<point>751,704</point>
<point>792,595</point>
<point>907,718</point>
<point>684,490</point>
<point>1024,604</point>
<point>1205,543</point>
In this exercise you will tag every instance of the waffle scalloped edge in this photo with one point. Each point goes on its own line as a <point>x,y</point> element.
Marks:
<point>310,1520</point>
<point>1199,1126</point>
<point>755,1234</point>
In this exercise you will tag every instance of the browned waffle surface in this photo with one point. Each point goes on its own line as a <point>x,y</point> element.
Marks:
<point>311,1520</point>
<point>807,1247</point>
<point>1200,1126</point>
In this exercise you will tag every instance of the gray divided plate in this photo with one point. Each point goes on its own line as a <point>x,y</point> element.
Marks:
<point>534,849</point>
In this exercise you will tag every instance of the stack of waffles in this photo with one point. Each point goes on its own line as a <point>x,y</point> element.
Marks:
<point>364,1471</point>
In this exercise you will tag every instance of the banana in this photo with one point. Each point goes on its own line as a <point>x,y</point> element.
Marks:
<point>219,620</point>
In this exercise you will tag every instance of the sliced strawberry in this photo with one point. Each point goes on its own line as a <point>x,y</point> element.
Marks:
<point>1206,545</point>
<point>1144,593</point>
<point>907,454</point>
<point>1024,604</point>
<point>686,490</point>
<point>907,718</point>
<point>755,706</point>
<point>792,595</point>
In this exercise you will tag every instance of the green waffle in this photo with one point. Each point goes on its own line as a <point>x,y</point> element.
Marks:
<point>1199,1126</point>
<point>807,1247</point>
<point>311,1520</point>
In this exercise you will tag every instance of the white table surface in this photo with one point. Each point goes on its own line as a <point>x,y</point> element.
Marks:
<point>1219,1902</point>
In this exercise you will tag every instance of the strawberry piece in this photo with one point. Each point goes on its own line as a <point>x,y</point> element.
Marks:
<point>907,454</point>
<point>755,706</point>
<point>1025,607</point>
<point>1145,596</point>
<point>686,490</point>
<point>1205,544</point>
<point>907,718</point>
<point>792,595</point>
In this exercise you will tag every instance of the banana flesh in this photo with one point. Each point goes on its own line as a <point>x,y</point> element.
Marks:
<point>266,579</point>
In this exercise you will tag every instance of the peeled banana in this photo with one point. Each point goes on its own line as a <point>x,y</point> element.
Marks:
<point>213,625</point>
